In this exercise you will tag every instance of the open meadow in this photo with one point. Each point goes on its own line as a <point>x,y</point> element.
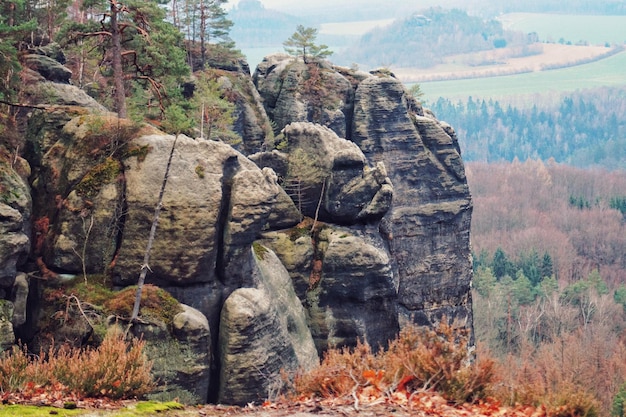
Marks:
<point>525,87</point>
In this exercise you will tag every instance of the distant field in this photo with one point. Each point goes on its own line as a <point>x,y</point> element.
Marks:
<point>573,28</point>
<point>505,61</point>
<point>606,72</point>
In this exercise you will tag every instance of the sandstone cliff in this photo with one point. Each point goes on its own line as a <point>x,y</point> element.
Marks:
<point>349,222</point>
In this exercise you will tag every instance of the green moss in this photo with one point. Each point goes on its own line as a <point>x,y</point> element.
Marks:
<point>143,408</point>
<point>200,171</point>
<point>34,411</point>
<point>140,152</point>
<point>100,175</point>
<point>149,407</point>
<point>259,250</point>
<point>297,232</point>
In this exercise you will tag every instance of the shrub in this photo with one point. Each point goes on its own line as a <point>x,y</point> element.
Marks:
<point>419,359</point>
<point>116,369</point>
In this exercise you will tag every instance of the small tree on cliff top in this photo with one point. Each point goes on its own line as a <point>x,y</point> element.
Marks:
<point>302,43</point>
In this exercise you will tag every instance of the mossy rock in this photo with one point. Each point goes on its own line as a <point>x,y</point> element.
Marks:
<point>100,175</point>
<point>156,303</point>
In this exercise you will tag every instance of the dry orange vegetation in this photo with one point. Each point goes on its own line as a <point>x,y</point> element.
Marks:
<point>505,61</point>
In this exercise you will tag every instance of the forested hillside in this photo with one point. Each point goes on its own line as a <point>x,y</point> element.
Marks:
<point>424,38</point>
<point>550,274</point>
<point>584,129</point>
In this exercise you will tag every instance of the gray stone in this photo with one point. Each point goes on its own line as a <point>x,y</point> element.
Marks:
<point>429,222</point>
<point>49,68</point>
<point>274,278</point>
<point>355,298</point>
<point>191,329</point>
<point>293,91</point>
<point>327,176</point>
<point>20,298</point>
<point>15,229</point>
<point>7,337</point>
<point>251,351</point>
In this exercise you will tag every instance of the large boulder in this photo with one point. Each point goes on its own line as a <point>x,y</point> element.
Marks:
<point>413,179</point>
<point>49,68</point>
<point>216,202</point>
<point>252,349</point>
<point>263,333</point>
<point>344,278</point>
<point>181,354</point>
<point>328,178</point>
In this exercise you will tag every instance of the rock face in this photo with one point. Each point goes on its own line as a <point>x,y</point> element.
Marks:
<point>350,223</point>
<point>412,175</point>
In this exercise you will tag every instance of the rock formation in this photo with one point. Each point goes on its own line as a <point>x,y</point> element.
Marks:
<point>351,222</point>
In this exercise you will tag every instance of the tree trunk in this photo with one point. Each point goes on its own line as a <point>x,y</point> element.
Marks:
<point>203,22</point>
<point>146,258</point>
<point>118,70</point>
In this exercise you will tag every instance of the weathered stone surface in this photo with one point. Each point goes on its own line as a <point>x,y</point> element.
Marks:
<point>79,189</point>
<point>15,213</point>
<point>19,297</point>
<point>355,193</point>
<point>274,279</point>
<point>186,246</point>
<point>428,225</point>
<point>251,349</point>
<point>216,202</point>
<point>253,197</point>
<point>191,329</point>
<point>250,119</point>
<point>49,68</point>
<point>344,278</point>
<point>327,176</point>
<point>356,296</point>
<point>293,91</point>
<point>7,337</point>
<point>179,364</point>
<point>295,249</point>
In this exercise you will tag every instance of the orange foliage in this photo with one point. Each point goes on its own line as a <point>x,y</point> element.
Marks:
<point>418,360</point>
<point>521,206</point>
<point>116,369</point>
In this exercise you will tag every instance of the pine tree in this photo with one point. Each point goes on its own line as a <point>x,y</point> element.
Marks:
<point>302,44</point>
<point>13,27</point>
<point>138,47</point>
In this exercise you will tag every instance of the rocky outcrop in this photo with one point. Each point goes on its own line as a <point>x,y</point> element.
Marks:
<point>327,176</point>
<point>293,91</point>
<point>430,219</point>
<point>181,357</point>
<point>344,277</point>
<point>425,229</point>
<point>348,224</point>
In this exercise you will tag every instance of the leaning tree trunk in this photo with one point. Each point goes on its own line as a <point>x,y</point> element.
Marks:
<point>144,267</point>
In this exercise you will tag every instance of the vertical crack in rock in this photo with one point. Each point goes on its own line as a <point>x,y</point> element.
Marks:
<point>231,165</point>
